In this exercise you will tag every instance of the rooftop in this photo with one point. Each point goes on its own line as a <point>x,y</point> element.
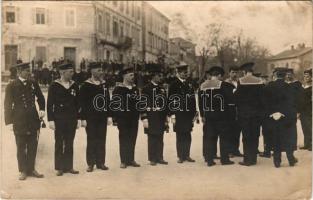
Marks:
<point>291,53</point>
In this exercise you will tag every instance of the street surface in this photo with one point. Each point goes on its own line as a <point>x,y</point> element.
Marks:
<point>175,181</point>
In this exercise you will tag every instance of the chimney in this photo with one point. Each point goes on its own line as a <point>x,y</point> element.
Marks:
<point>303,45</point>
<point>292,47</point>
<point>299,46</point>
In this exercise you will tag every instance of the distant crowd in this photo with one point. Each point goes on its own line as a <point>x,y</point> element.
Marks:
<point>45,73</point>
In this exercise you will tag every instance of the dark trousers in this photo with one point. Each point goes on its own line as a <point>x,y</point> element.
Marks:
<point>215,129</point>
<point>306,123</point>
<point>64,138</point>
<point>205,144</point>
<point>96,139</point>
<point>183,143</point>
<point>155,147</point>
<point>282,140</point>
<point>127,138</point>
<point>26,151</point>
<point>251,132</point>
<point>267,136</point>
<point>234,136</point>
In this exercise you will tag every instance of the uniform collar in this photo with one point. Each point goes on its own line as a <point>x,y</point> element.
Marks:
<point>71,82</point>
<point>94,83</point>
<point>181,80</point>
<point>22,79</point>
<point>153,83</point>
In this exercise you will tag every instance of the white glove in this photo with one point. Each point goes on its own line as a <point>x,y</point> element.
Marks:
<point>10,127</point>
<point>78,124</point>
<point>276,116</point>
<point>145,123</point>
<point>41,114</point>
<point>203,120</point>
<point>52,125</point>
<point>84,123</point>
<point>173,120</point>
<point>110,121</point>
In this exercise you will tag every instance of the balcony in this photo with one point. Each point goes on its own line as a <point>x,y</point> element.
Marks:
<point>122,43</point>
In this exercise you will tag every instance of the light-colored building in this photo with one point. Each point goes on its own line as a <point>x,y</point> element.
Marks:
<point>298,58</point>
<point>119,30</point>
<point>183,50</point>
<point>155,33</point>
<point>48,30</point>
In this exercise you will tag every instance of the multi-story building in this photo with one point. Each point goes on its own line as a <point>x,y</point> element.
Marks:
<point>298,58</point>
<point>48,30</point>
<point>118,30</point>
<point>155,33</point>
<point>183,50</point>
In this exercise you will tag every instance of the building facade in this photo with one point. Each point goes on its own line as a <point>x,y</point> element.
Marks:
<point>46,31</point>
<point>298,58</point>
<point>155,33</point>
<point>73,30</point>
<point>183,50</point>
<point>118,30</point>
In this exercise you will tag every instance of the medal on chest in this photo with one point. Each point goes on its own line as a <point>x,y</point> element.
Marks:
<point>73,92</point>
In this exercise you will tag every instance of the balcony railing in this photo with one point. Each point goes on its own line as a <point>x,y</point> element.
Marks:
<point>124,42</point>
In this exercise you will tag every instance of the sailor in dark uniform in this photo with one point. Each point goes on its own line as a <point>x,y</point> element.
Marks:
<point>20,110</point>
<point>214,98</point>
<point>182,107</point>
<point>248,98</point>
<point>235,129</point>
<point>94,101</point>
<point>306,110</point>
<point>207,77</point>
<point>266,129</point>
<point>63,116</point>
<point>295,93</point>
<point>155,115</point>
<point>279,108</point>
<point>124,100</point>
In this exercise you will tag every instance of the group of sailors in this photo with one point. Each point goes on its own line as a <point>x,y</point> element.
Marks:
<point>227,107</point>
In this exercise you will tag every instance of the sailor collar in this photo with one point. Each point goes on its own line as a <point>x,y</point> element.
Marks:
<point>253,80</point>
<point>94,83</point>
<point>153,83</point>
<point>127,86</point>
<point>71,82</point>
<point>181,80</point>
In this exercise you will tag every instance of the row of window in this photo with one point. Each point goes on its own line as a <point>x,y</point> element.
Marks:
<point>128,7</point>
<point>155,23</point>
<point>120,28</point>
<point>40,16</point>
<point>156,42</point>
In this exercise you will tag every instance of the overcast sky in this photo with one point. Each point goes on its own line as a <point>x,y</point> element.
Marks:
<point>275,24</point>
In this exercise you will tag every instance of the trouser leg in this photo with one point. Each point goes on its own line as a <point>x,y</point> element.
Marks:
<point>21,152</point>
<point>32,144</point>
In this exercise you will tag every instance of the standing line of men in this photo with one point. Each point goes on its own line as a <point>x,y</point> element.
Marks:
<point>227,108</point>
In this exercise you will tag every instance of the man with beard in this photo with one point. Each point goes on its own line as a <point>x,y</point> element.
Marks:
<point>94,101</point>
<point>182,107</point>
<point>155,115</point>
<point>20,110</point>
<point>248,98</point>
<point>214,98</point>
<point>125,113</point>
<point>63,116</point>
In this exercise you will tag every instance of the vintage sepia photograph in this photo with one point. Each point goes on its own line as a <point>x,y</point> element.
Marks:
<point>156,100</point>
